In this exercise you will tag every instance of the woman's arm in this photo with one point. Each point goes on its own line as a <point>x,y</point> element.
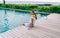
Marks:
<point>32,20</point>
<point>32,25</point>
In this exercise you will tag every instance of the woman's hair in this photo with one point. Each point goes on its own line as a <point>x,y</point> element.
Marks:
<point>33,13</point>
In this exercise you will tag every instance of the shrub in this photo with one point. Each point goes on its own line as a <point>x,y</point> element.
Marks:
<point>50,9</point>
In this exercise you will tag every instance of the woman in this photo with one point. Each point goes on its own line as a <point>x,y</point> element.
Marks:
<point>33,18</point>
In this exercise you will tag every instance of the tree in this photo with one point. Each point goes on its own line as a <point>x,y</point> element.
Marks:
<point>4,1</point>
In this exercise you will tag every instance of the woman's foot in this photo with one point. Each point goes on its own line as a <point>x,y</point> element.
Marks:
<point>23,24</point>
<point>29,28</point>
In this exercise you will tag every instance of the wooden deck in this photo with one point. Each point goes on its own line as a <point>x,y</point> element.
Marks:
<point>44,28</point>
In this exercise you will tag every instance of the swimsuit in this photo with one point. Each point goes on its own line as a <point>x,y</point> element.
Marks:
<point>27,25</point>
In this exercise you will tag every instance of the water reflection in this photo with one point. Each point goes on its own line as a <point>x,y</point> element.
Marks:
<point>4,26</point>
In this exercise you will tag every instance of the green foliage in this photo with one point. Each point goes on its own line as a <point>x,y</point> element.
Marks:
<point>50,9</point>
<point>1,5</point>
<point>55,9</point>
<point>25,6</point>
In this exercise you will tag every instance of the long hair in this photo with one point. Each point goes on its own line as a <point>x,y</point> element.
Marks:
<point>34,14</point>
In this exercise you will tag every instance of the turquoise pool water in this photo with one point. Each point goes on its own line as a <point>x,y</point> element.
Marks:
<point>10,19</point>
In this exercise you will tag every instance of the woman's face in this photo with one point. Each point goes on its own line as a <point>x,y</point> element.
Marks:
<point>31,12</point>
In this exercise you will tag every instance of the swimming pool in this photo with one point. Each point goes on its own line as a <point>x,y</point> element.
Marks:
<point>10,19</point>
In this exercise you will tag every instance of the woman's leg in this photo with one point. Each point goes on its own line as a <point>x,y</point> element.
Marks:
<point>29,28</point>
